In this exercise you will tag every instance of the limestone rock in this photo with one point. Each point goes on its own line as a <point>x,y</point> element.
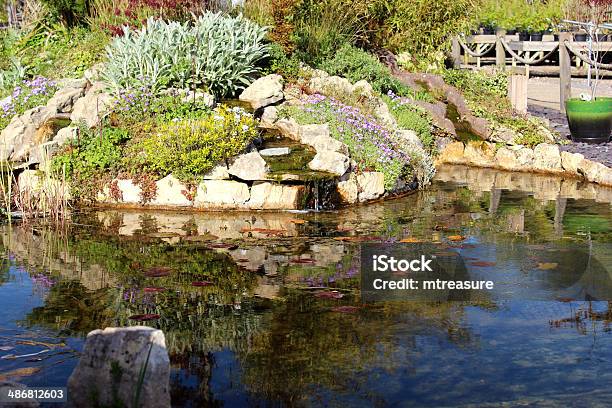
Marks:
<point>219,172</point>
<point>275,151</point>
<point>221,194</point>
<point>264,91</point>
<point>363,89</point>
<point>371,185</point>
<point>525,157</point>
<point>506,159</point>
<point>596,172</point>
<point>171,192</point>
<point>547,158</point>
<point>348,190</point>
<point>289,128</point>
<point>331,85</point>
<point>92,107</point>
<point>270,196</point>
<point>410,137</point>
<point>571,161</point>
<point>452,153</point>
<point>20,135</point>
<point>269,117</point>
<point>480,154</point>
<point>308,133</point>
<point>63,100</point>
<point>65,135</point>
<point>250,166</point>
<point>113,359</point>
<point>331,162</point>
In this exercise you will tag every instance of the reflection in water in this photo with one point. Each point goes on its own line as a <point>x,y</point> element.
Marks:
<point>246,303</point>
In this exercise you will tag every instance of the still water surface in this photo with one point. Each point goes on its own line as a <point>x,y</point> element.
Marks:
<point>242,299</point>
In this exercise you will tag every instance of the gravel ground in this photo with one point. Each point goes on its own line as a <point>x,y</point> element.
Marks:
<point>542,104</point>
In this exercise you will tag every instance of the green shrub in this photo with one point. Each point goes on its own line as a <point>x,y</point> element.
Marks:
<point>356,64</point>
<point>190,148</point>
<point>279,62</point>
<point>70,12</point>
<point>87,158</point>
<point>411,117</point>
<point>217,52</point>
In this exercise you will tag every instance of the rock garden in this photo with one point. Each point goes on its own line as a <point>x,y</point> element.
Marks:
<point>210,114</point>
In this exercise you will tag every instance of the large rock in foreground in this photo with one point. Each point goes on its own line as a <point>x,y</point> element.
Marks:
<point>110,367</point>
<point>264,91</point>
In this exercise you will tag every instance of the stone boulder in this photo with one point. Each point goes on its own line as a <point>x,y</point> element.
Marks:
<point>318,136</point>
<point>571,162</point>
<point>289,128</point>
<point>264,91</point>
<point>123,191</point>
<point>219,172</point>
<point>20,135</point>
<point>452,153</point>
<point>410,137</point>
<point>480,154</point>
<point>331,162</point>
<point>171,192</point>
<point>65,135</point>
<point>250,166</point>
<point>269,196</point>
<point>269,117</point>
<point>506,159</point>
<point>595,172</point>
<point>371,185</point>
<point>348,190</point>
<point>111,364</point>
<point>92,107</point>
<point>69,92</point>
<point>332,85</point>
<point>547,158</point>
<point>221,194</point>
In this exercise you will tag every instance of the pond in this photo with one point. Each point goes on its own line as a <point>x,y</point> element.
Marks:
<point>245,299</point>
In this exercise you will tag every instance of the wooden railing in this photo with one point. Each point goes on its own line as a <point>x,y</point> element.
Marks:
<point>508,48</point>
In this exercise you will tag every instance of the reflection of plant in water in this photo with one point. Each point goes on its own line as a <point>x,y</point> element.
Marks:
<point>72,310</point>
<point>306,345</point>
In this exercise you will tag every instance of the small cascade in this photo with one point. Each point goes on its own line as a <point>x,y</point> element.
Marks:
<point>316,195</point>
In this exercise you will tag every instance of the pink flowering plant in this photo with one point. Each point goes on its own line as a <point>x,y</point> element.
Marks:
<point>370,144</point>
<point>29,94</point>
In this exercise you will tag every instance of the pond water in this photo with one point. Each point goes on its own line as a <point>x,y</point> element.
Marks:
<point>243,299</point>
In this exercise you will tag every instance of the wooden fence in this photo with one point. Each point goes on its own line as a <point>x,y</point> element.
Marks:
<point>562,51</point>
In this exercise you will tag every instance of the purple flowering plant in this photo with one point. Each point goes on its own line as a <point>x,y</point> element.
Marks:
<point>29,94</point>
<point>371,144</point>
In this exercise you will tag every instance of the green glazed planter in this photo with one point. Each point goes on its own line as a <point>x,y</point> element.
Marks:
<point>590,121</point>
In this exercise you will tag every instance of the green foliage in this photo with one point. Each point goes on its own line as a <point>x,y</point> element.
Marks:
<point>280,63</point>
<point>217,52</point>
<point>135,108</point>
<point>412,117</point>
<point>422,27</point>
<point>322,26</point>
<point>190,148</point>
<point>486,97</point>
<point>70,12</point>
<point>532,16</point>
<point>91,154</point>
<point>355,64</point>
<point>370,144</point>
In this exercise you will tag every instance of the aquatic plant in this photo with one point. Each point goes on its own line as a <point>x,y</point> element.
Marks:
<point>217,52</point>
<point>371,145</point>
